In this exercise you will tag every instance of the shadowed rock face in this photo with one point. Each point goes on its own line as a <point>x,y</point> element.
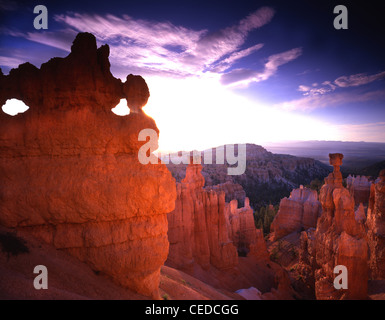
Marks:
<point>70,170</point>
<point>243,233</point>
<point>376,228</point>
<point>233,191</point>
<point>299,211</point>
<point>339,239</point>
<point>359,187</point>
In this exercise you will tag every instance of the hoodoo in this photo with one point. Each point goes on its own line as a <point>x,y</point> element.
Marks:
<point>69,166</point>
<point>339,239</point>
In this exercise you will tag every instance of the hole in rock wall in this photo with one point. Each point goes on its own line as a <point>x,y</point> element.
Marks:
<point>121,108</point>
<point>14,107</point>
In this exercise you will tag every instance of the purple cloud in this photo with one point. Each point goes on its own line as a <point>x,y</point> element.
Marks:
<point>256,19</point>
<point>12,62</point>
<point>238,76</point>
<point>354,80</point>
<point>61,40</point>
<point>213,46</point>
<point>277,60</point>
<point>312,102</point>
<point>243,77</point>
<point>327,86</point>
<point>358,79</point>
<point>153,47</point>
<point>225,64</point>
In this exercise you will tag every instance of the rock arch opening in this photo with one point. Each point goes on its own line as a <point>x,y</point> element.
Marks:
<point>121,108</point>
<point>14,107</point>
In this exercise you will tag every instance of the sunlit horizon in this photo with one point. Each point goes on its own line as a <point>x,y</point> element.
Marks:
<point>195,130</point>
<point>201,114</point>
<point>252,74</point>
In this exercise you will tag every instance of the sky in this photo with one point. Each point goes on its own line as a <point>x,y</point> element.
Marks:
<point>222,72</point>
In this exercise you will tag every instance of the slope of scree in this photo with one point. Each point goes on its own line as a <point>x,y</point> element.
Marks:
<point>70,279</point>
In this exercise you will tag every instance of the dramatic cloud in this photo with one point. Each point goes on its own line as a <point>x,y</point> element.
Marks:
<point>312,102</point>
<point>239,77</point>
<point>327,86</point>
<point>215,45</point>
<point>358,79</point>
<point>228,62</point>
<point>11,61</point>
<point>243,77</point>
<point>354,80</point>
<point>61,40</point>
<point>152,47</point>
<point>303,88</point>
<point>162,48</point>
<point>277,60</point>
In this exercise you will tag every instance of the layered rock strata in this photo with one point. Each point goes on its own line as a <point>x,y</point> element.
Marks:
<point>233,191</point>
<point>205,230</point>
<point>359,187</point>
<point>339,239</point>
<point>376,228</point>
<point>197,227</point>
<point>247,239</point>
<point>70,170</point>
<point>298,212</point>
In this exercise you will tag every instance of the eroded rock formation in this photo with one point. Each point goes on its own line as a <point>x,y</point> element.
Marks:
<point>339,239</point>
<point>198,229</point>
<point>247,239</point>
<point>206,230</point>
<point>69,167</point>
<point>233,191</point>
<point>376,228</point>
<point>268,177</point>
<point>300,211</point>
<point>359,187</point>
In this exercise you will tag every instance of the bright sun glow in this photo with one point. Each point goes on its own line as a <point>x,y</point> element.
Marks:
<point>14,106</point>
<point>121,108</point>
<point>201,113</point>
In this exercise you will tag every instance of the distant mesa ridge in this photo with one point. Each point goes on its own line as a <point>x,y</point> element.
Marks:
<point>268,177</point>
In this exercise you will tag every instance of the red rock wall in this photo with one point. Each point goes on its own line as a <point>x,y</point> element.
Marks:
<point>198,226</point>
<point>376,228</point>
<point>206,230</point>
<point>359,187</point>
<point>339,239</point>
<point>233,191</point>
<point>70,170</point>
<point>300,211</point>
<point>247,239</point>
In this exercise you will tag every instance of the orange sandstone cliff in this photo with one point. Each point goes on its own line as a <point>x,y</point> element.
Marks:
<point>300,211</point>
<point>207,230</point>
<point>217,242</point>
<point>339,239</point>
<point>70,170</point>
<point>198,228</point>
<point>376,228</point>
<point>359,187</point>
